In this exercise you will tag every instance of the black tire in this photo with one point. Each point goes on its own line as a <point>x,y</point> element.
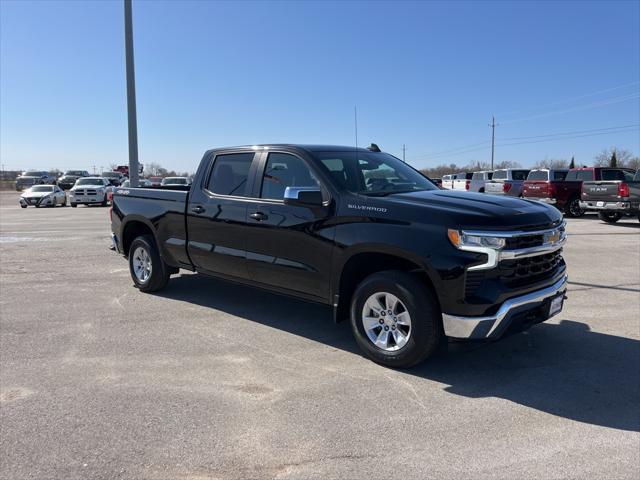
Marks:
<point>159,270</point>
<point>609,217</point>
<point>23,206</point>
<point>64,202</point>
<point>104,202</point>
<point>426,332</point>
<point>74,205</point>
<point>572,209</point>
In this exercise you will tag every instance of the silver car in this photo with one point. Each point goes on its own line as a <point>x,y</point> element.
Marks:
<point>43,196</point>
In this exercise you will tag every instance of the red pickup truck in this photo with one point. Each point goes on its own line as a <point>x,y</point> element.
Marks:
<point>563,191</point>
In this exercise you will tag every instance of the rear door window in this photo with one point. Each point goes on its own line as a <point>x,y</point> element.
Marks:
<point>500,175</point>
<point>230,174</point>
<point>559,174</point>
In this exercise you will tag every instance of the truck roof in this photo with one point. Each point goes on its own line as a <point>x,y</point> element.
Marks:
<point>307,147</point>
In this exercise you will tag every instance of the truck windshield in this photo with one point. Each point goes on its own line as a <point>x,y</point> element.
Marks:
<point>373,173</point>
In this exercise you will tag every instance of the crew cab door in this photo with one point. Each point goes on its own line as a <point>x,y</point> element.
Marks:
<point>288,247</point>
<point>217,213</point>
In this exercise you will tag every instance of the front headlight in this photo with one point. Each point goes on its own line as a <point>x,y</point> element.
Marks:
<point>463,241</point>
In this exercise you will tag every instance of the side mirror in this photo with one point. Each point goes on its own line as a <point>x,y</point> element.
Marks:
<point>303,196</point>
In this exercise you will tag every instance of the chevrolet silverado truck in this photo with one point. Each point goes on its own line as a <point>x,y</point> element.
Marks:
<point>613,199</point>
<point>564,193</point>
<point>407,263</point>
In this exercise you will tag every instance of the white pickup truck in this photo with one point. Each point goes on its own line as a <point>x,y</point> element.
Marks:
<point>479,181</point>
<point>507,181</point>
<point>461,181</point>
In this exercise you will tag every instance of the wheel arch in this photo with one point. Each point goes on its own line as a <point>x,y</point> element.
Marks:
<point>134,227</point>
<point>363,262</point>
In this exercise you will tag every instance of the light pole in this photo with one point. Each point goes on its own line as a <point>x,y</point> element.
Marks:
<point>131,95</point>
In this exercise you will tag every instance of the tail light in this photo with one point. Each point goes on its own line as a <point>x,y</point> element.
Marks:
<point>623,190</point>
<point>506,187</point>
<point>466,185</point>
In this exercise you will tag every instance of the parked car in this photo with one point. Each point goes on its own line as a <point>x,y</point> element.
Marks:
<point>613,199</point>
<point>68,179</point>
<point>88,191</point>
<point>565,193</point>
<point>43,196</point>
<point>479,181</point>
<point>436,181</point>
<point>155,181</point>
<point>447,182</point>
<point>507,181</point>
<point>408,263</point>
<point>34,177</point>
<point>174,181</point>
<point>115,178</point>
<point>461,181</point>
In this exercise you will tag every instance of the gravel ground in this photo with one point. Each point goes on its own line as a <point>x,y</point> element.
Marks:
<point>208,380</point>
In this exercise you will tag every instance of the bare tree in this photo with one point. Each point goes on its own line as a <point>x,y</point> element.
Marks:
<point>623,157</point>
<point>506,164</point>
<point>552,163</point>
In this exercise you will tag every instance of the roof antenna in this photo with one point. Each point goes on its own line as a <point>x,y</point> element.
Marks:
<point>355,119</point>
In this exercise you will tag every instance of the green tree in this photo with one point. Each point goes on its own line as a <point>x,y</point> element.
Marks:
<point>573,163</point>
<point>614,161</point>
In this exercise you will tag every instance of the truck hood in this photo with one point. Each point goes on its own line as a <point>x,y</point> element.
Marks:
<point>475,210</point>
<point>35,194</point>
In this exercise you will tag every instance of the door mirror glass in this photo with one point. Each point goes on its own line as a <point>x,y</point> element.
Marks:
<point>303,196</point>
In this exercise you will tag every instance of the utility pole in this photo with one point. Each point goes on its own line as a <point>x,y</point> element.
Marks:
<point>493,138</point>
<point>131,95</point>
<point>404,149</point>
<point>94,169</point>
<point>101,169</point>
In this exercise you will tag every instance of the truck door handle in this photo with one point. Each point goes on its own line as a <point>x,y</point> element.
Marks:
<point>258,216</point>
<point>197,209</point>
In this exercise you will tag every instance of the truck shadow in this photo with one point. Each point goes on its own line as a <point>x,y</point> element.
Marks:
<point>563,369</point>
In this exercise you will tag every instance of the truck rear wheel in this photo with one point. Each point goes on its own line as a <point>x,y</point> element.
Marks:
<point>395,319</point>
<point>148,270</point>
<point>609,217</point>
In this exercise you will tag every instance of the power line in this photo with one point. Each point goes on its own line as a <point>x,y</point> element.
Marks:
<point>569,100</point>
<point>543,138</point>
<point>575,131</point>
<point>601,103</point>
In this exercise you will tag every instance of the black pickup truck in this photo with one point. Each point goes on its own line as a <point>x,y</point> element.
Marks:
<point>613,198</point>
<point>408,263</point>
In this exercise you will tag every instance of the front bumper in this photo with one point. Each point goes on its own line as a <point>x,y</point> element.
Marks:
<point>526,309</point>
<point>615,206</point>
<point>87,199</point>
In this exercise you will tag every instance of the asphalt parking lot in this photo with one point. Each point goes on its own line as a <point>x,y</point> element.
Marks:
<point>208,380</point>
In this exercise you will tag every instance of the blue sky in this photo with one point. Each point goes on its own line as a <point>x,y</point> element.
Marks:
<point>425,74</point>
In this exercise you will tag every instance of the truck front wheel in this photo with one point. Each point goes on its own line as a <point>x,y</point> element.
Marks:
<point>148,270</point>
<point>395,319</point>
